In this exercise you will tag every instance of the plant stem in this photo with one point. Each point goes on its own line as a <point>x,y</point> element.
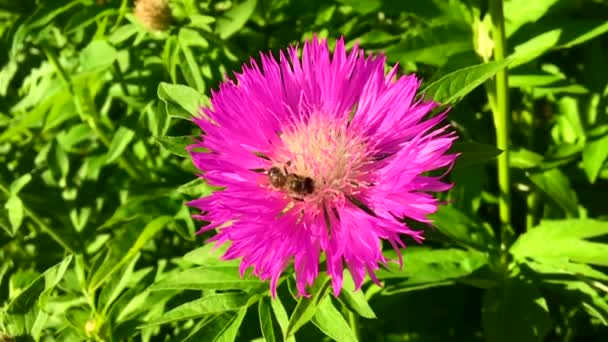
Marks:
<point>501,122</point>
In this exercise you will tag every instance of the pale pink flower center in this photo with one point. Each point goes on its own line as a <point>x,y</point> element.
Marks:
<point>325,150</point>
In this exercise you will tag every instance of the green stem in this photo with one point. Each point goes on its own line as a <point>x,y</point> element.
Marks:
<point>501,122</point>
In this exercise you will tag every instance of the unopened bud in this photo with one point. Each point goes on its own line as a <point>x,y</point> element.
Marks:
<point>155,15</point>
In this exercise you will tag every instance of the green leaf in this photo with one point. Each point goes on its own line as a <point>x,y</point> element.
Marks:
<point>119,283</point>
<point>453,86</point>
<point>98,55</point>
<point>209,255</point>
<point>431,267</point>
<point>231,330</point>
<point>533,80</point>
<point>206,278</point>
<point>306,307</point>
<point>363,7</point>
<point>474,153</point>
<point>520,12</point>
<point>197,188</point>
<point>515,311</point>
<point>21,313</point>
<point>235,18</point>
<point>266,320</point>
<point>208,305</point>
<point>581,294</point>
<point>19,183</point>
<point>579,31</point>
<point>355,299</point>
<point>562,265</point>
<point>595,154</point>
<point>525,159</point>
<point>176,145</point>
<point>463,229</point>
<point>564,239</point>
<point>533,48</point>
<point>331,322</point>
<point>190,68</point>
<point>15,209</point>
<point>556,186</point>
<point>181,101</point>
<point>282,318</point>
<point>118,258</point>
<point>120,141</point>
<point>75,135</point>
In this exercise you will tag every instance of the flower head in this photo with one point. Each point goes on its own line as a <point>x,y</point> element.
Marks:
<point>319,154</point>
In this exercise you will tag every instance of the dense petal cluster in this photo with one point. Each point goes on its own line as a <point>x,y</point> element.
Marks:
<point>322,153</point>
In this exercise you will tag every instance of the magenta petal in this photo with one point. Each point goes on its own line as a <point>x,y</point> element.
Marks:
<point>354,148</point>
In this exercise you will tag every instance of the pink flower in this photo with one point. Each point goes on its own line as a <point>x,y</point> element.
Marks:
<point>322,153</point>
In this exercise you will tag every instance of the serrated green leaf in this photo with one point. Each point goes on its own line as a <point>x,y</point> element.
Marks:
<point>331,322</point>
<point>564,239</point>
<point>453,86</point>
<point>209,255</point>
<point>121,139</point>
<point>208,305</point>
<point>515,311</point>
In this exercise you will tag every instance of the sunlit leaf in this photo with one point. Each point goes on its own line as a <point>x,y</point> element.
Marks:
<point>453,86</point>
<point>122,138</point>
<point>306,307</point>
<point>205,277</point>
<point>235,18</point>
<point>208,305</point>
<point>564,239</point>
<point>181,101</point>
<point>331,322</point>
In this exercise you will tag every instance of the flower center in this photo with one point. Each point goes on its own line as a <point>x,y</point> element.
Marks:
<point>324,159</point>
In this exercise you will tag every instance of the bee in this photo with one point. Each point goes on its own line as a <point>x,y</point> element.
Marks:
<point>295,184</point>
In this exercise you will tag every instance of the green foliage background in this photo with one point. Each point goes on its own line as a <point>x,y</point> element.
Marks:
<point>97,243</point>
